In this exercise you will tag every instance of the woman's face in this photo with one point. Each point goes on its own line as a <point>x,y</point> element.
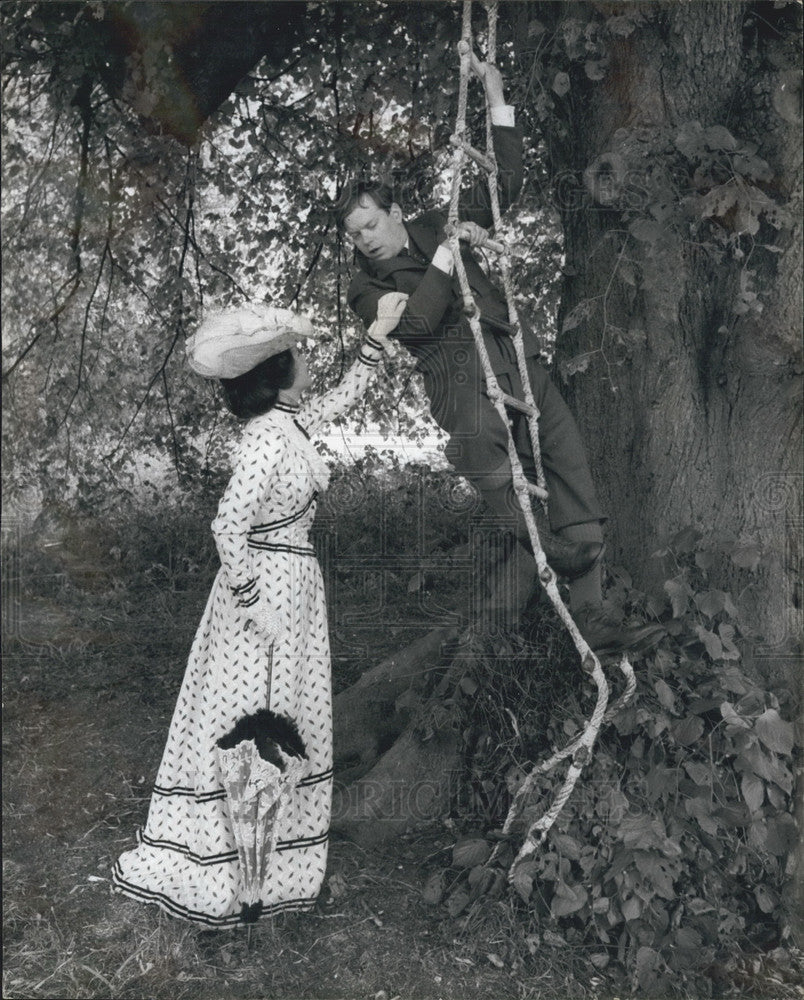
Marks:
<point>301,378</point>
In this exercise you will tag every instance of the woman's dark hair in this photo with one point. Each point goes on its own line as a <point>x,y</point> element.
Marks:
<point>255,391</point>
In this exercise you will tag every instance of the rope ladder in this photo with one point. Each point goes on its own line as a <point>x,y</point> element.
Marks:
<point>578,750</point>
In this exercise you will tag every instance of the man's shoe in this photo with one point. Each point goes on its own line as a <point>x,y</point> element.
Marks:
<point>570,559</point>
<point>608,637</point>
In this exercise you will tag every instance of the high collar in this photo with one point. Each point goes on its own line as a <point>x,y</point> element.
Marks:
<point>281,406</point>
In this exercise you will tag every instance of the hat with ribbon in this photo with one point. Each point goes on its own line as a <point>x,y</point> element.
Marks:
<point>231,342</point>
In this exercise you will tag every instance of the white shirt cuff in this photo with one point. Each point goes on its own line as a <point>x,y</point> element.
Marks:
<point>503,115</point>
<point>443,260</point>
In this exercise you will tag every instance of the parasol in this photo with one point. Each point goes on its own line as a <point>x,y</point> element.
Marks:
<point>261,760</point>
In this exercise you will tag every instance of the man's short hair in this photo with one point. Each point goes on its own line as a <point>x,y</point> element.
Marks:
<point>380,193</point>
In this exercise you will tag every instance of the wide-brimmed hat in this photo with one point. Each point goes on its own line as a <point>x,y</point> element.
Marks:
<point>231,342</point>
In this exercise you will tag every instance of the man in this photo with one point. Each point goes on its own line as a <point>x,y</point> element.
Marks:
<point>415,258</point>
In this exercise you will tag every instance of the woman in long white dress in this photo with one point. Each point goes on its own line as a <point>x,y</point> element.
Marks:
<point>268,598</point>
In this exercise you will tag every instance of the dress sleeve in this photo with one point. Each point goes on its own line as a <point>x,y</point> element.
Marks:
<point>320,411</point>
<point>258,456</point>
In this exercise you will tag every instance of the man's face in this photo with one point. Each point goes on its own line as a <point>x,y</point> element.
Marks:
<point>376,233</point>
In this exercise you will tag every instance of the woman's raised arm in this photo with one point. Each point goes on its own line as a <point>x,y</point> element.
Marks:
<point>316,414</point>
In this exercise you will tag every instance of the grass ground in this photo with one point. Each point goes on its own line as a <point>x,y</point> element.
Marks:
<point>96,639</point>
<point>92,669</point>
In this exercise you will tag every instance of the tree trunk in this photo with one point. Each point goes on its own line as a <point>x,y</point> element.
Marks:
<point>683,317</point>
<point>699,393</point>
<point>368,716</point>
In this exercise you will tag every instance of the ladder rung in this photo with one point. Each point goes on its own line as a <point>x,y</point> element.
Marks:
<point>475,154</point>
<point>522,485</point>
<point>537,491</point>
<point>498,324</point>
<point>495,245</point>
<point>518,404</point>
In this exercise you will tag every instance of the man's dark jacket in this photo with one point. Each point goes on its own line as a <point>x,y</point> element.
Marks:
<point>434,311</point>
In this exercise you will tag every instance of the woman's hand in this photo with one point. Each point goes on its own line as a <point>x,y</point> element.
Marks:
<point>264,620</point>
<point>389,308</point>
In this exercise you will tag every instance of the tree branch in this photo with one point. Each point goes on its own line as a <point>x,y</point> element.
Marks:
<point>76,280</point>
<point>82,101</point>
<point>179,330</point>
<point>84,326</point>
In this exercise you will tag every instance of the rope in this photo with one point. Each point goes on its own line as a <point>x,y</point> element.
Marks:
<point>580,749</point>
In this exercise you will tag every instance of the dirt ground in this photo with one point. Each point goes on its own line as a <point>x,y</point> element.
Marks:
<point>89,689</point>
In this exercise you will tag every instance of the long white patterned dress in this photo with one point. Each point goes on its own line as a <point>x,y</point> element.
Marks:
<point>186,861</point>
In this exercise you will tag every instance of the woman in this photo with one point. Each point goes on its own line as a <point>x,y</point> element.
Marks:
<point>268,593</point>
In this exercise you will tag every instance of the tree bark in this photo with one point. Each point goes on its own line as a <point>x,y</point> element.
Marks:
<point>688,395</point>
<point>700,403</point>
<point>182,60</point>
<point>367,716</point>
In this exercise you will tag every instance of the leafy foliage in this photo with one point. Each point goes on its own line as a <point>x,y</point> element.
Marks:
<point>669,860</point>
<point>96,309</point>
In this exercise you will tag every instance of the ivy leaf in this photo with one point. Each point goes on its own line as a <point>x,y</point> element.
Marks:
<point>731,718</point>
<point>632,908</point>
<point>658,873</point>
<point>726,633</point>
<point>774,732</point>
<point>712,643</point>
<point>701,774</point>
<point>686,946</point>
<point>648,962</point>
<point>712,602</point>
<point>689,139</point>
<point>568,899</point>
<point>732,680</point>
<point>747,219</point>
<point>457,902</point>
<point>747,163</point>
<point>679,592</point>
<point>753,789</point>
<point>575,365</point>
<point>717,202</point>
<point>700,808</point>
<point>719,137</point>
<point>577,316</point>
<point>622,24</point>
<point>433,890</point>
<point>689,730</point>
<point>595,68</point>
<point>567,846</point>
<point>686,540</point>
<point>766,898</point>
<point>561,84</point>
<point>646,230</point>
<point>746,555</point>
<point>522,879</point>
<point>665,695</point>
<point>643,832</point>
<point>765,765</point>
<point>467,685</point>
